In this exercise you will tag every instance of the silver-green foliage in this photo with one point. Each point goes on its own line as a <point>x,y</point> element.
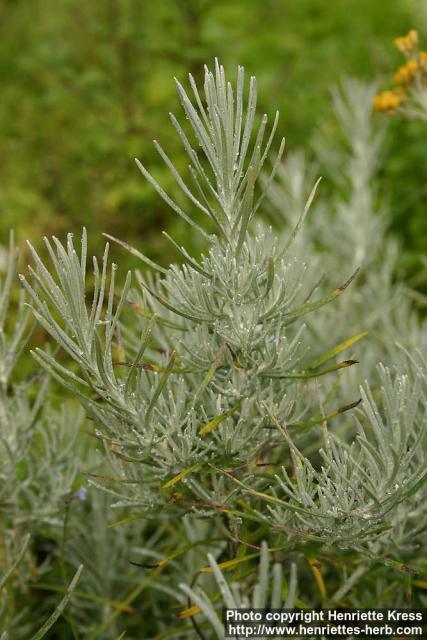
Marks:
<point>215,385</point>
<point>266,593</point>
<point>231,324</point>
<point>40,463</point>
<point>353,496</point>
<point>351,227</point>
<point>35,438</point>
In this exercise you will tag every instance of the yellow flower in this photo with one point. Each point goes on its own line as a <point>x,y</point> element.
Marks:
<point>423,60</point>
<point>407,44</point>
<point>389,100</point>
<point>406,73</point>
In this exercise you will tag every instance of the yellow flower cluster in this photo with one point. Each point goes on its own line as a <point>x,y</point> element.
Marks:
<point>388,101</point>
<point>407,44</point>
<point>407,73</point>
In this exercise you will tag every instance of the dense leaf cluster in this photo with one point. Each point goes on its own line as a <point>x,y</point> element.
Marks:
<point>223,391</point>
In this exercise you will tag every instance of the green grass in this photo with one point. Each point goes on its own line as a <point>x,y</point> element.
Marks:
<point>86,86</point>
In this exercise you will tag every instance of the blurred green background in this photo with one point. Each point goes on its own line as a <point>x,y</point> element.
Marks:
<point>87,84</point>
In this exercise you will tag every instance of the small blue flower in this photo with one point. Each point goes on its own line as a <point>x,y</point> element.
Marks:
<point>81,493</point>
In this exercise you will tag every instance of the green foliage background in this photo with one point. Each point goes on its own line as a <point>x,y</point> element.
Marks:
<point>86,85</point>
